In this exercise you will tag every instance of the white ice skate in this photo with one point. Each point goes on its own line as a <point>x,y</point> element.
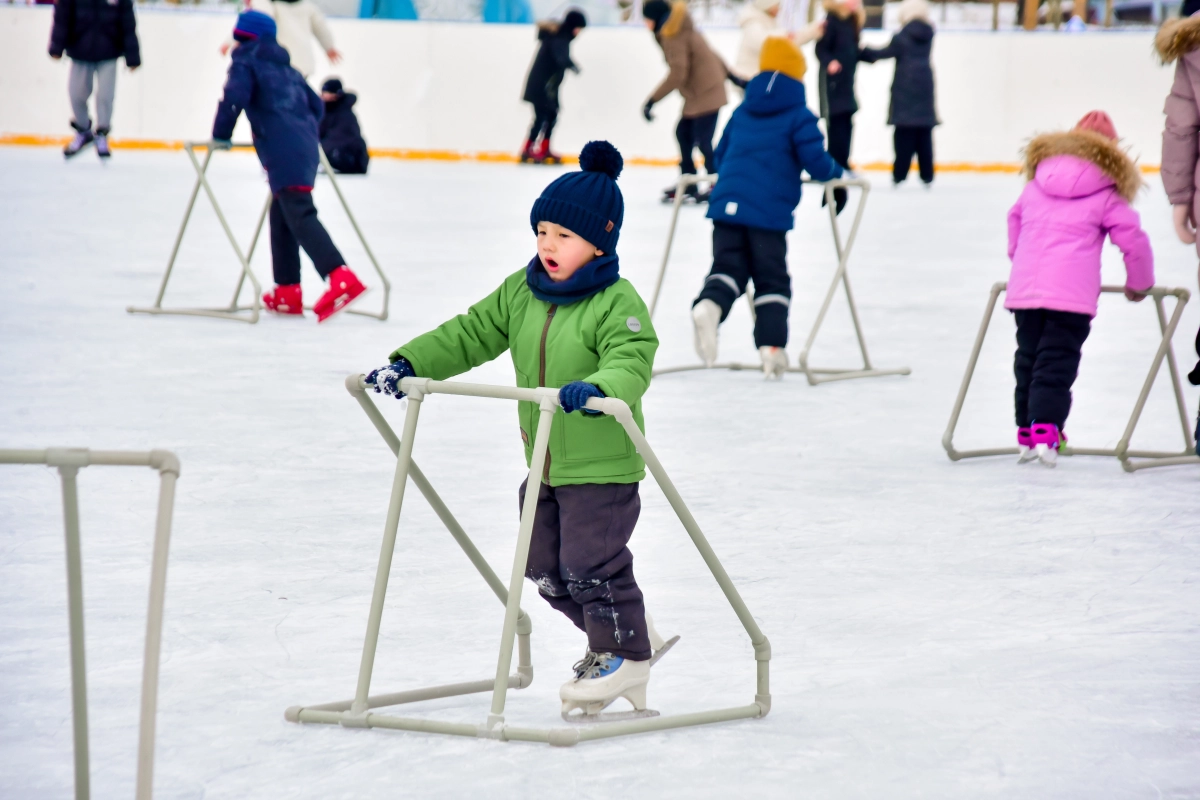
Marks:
<point>1047,455</point>
<point>1025,454</point>
<point>706,316</point>
<point>658,645</point>
<point>774,362</point>
<point>600,680</point>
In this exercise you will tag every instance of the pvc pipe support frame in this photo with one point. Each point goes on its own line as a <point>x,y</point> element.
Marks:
<point>68,461</point>
<point>1122,452</point>
<point>517,625</point>
<point>814,375</point>
<point>236,311</point>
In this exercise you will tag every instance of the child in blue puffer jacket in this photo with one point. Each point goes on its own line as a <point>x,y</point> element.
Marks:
<point>284,112</point>
<point>771,137</point>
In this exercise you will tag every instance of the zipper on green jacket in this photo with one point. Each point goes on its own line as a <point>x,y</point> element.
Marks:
<point>542,377</point>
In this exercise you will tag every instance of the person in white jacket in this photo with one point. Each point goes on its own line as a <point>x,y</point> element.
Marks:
<point>296,22</point>
<point>758,20</point>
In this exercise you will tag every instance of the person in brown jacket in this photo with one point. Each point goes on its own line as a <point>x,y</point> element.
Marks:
<point>1178,41</point>
<point>698,74</point>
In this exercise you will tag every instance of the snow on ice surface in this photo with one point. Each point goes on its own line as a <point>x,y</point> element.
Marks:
<point>938,629</point>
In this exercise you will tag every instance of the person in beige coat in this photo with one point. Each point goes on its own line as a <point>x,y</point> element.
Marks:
<point>697,73</point>
<point>759,19</point>
<point>1178,42</point>
<point>297,22</point>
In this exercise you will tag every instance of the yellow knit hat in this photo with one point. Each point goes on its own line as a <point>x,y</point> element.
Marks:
<point>779,54</point>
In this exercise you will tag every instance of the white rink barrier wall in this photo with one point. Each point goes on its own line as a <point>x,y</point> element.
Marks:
<point>445,89</point>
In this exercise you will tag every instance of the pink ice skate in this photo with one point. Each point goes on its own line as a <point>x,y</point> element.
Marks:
<point>1046,440</point>
<point>1025,449</point>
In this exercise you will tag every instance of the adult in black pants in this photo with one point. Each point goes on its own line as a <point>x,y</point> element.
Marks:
<point>912,109</point>
<point>1047,363</point>
<point>837,51</point>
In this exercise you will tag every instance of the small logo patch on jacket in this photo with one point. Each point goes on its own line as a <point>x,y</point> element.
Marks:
<point>731,208</point>
<point>634,324</point>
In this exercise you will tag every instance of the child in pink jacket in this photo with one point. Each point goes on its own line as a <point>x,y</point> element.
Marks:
<point>1080,187</point>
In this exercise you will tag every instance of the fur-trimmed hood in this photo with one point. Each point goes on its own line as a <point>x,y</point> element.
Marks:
<point>842,10</point>
<point>1176,38</point>
<point>679,21</point>
<point>1089,146</point>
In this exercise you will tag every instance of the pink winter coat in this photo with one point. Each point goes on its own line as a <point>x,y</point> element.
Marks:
<point>1179,40</point>
<point>1079,194</point>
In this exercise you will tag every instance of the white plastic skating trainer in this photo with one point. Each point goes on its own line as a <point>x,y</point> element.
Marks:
<point>706,316</point>
<point>600,680</point>
<point>774,362</point>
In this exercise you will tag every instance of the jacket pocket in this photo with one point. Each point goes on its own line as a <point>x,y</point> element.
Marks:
<point>583,438</point>
<point>525,414</point>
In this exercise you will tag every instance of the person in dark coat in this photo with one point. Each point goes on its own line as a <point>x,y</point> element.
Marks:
<point>545,76</point>
<point>284,113</point>
<point>912,111</point>
<point>341,138</point>
<point>769,140</point>
<point>837,50</point>
<point>94,34</point>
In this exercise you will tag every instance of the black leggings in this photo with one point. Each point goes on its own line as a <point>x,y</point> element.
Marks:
<point>1046,363</point>
<point>294,224</point>
<point>545,115</point>
<point>696,132</point>
<point>840,130</point>
<point>909,142</point>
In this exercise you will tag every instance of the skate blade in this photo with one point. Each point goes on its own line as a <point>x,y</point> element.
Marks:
<point>583,718</point>
<point>340,305</point>
<point>662,651</point>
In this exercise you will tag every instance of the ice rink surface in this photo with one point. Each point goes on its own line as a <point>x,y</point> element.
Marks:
<point>939,629</point>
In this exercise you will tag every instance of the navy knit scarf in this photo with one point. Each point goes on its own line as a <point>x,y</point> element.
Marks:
<point>595,276</point>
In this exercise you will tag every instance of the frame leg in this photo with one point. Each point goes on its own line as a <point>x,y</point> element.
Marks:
<point>680,187</point>
<point>386,551</point>
<point>187,217</point>
<point>387,285</point>
<point>948,436</point>
<point>262,218</point>
<point>154,629</point>
<point>541,443</point>
<point>79,708</point>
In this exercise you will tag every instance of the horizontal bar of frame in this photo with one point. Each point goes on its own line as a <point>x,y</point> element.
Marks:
<point>1152,461</point>
<point>562,737</point>
<point>354,311</point>
<point>957,455</point>
<point>836,374</point>
<point>218,313</point>
<point>829,375</point>
<point>413,695</point>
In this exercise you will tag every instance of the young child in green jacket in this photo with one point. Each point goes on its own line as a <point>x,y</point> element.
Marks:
<point>570,321</point>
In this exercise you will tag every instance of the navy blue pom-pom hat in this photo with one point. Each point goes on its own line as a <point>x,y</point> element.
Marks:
<point>589,202</point>
<point>253,25</point>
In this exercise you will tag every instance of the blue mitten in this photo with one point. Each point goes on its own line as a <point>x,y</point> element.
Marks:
<point>386,380</point>
<point>575,395</point>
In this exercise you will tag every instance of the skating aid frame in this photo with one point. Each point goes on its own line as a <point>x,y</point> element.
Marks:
<point>356,713</point>
<point>69,461</point>
<point>815,375</point>
<point>1121,452</point>
<point>236,311</point>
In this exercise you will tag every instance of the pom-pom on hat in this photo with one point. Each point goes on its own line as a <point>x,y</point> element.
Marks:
<point>1099,122</point>
<point>589,202</point>
<point>780,54</point>
<point>253,25</point>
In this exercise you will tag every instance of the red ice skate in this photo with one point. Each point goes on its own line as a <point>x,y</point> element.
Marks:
<point>544,156</point>
<point>285,300</point>
<point>344,289</point>
<point>527,152</point>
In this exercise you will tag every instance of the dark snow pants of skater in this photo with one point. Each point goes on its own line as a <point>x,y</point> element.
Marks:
<point>696,133</point>
<point>545,115</point>
<point>909,142</point>
<point>840,131</point>
<point>740,255</point>
<point>580,561</point>
<point>1046,363</point>
<point>294,224</point>
<point>103,74</point>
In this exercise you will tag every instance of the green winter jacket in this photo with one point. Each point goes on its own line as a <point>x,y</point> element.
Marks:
<point>606,339</point>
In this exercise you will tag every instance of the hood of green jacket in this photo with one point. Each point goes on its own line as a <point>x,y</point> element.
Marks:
<point>606,339</point>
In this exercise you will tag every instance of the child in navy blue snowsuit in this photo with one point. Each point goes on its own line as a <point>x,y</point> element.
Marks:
<point>284,112</point>
<point>771,137</point>
<point>340,135</point>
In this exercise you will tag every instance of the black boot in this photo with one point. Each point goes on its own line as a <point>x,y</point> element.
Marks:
<point>83,137</point>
